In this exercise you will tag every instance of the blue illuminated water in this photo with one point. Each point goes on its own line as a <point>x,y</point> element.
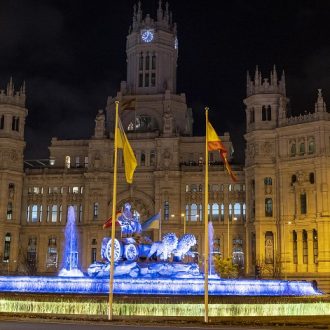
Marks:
<point>155,286</point>
<point>71,256</point>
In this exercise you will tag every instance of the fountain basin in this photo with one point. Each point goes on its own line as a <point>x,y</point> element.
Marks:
<point>155,286</point>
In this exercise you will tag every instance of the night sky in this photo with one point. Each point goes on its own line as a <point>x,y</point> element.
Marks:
<point>72,56</point>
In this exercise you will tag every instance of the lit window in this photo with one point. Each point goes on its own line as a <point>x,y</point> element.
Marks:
<point>268,207</point>
<point>67,161</point>
<point>9,211</point>
<point>6,251</point>
<point>95,210</point>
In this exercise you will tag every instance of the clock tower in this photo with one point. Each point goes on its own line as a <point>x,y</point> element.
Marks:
<point>152,52</point>
<point>150,87</point>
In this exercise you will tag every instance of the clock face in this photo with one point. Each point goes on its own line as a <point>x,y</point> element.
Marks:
<point>147,35</point>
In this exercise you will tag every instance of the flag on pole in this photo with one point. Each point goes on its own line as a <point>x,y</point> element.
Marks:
<point>152,223</point>
<point>128,104</point>
<point>108,223</point>
<point>215,143</point>
<point>129,157</point>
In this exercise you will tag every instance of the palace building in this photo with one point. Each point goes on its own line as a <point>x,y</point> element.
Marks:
<point>276,215</point>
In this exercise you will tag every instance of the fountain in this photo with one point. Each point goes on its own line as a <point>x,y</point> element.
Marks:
<point>71,256</point>
<point>146,268</point>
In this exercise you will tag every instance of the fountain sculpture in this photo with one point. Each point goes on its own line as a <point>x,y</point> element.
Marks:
<point>145,267</point>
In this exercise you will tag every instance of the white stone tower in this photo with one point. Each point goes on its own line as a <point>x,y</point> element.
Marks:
<point>265,108</point>
<point>12,144</point>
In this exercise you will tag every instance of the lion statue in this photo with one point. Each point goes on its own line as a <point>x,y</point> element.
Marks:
<point>184,245</point>
<point>164,248</point>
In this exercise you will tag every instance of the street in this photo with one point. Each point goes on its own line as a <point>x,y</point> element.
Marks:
<point>60,325</point>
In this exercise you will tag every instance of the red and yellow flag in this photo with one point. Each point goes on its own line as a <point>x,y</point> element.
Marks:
<point>214,143</point>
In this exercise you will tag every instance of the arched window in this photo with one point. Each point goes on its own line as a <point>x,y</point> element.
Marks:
<point>269,247</point>
<point>264,114</point>
<point>269,113</point>
<point>268,185</point>
<point>15,124</point>
<point>311,146</point>
<point>268,207</point>
<point>252,118</point>
<point>293,179</point>
<point>2,122</point>
<point>311,178</point>
<point>152,158</point>
<point>187,187</point>
<point>302,148</point>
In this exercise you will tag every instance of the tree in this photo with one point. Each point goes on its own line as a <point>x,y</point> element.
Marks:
<point>225,267</point>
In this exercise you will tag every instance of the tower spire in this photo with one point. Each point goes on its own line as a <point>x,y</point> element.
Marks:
<point>160,11</point>
<point>320,105</point>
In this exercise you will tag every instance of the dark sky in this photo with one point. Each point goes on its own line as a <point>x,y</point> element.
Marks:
<point>72,56</point>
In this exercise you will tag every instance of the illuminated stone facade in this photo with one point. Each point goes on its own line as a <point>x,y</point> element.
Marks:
<point>280,221</point>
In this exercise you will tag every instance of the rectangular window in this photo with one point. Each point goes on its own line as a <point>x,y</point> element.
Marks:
<point>6,251</point>
<point>94,253</point>
<point>34,213</point>
<point>305,247</point>
<point>146,80</point>
<point>77,159</point>
<point>140,79</point>
<point>303,204</point>
<point>86,161</point>
<point>295,251</point>
<point>95,210</point>
<point>153,79</point>
<point>54,213</point>
<point>153,63</point>
<point>166,210</point>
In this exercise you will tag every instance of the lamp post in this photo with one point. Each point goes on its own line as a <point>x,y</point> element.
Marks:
<point>184,222</point>
<point>284,249</point>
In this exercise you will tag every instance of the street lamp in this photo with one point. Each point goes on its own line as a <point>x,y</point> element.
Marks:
<point>284,250</point>
<point>184,222</point>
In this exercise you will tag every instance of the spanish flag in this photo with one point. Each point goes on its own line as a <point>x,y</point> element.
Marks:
<point>108,223</point>
<point>214,143</point>
<point>129,157</point>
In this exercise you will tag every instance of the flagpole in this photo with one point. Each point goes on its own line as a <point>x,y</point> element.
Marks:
<point>160,225</point>
<point>206,233</point>
<point>113,224</point>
